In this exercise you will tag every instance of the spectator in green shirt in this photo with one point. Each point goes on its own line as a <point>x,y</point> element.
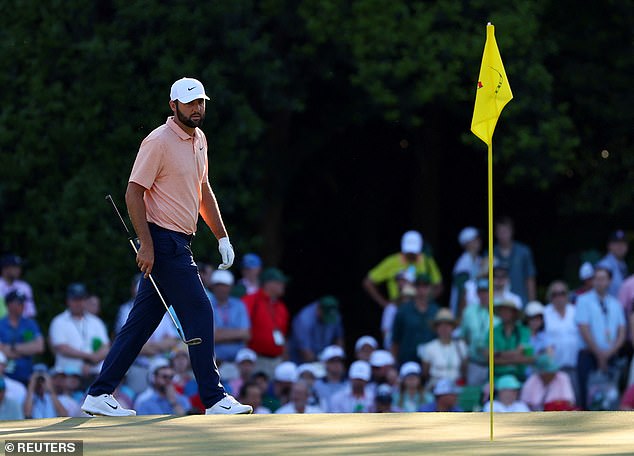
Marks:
<point>511,341</point>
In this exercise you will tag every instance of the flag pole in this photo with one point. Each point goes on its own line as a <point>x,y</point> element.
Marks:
<point>490,260</point>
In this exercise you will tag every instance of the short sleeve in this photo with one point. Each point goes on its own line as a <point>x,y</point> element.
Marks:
<point>147,163</point>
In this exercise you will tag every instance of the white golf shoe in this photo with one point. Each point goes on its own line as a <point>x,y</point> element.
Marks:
<point>105,405</point>
<point>229,406</point>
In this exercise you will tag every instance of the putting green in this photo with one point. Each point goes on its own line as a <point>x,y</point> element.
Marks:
<point>550,433</point>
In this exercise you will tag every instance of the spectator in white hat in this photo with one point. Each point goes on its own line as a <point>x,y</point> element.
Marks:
<point>586,279</point>
<point>411,258</point>
<point>335,379</point>
<point>411,394</point>
<point>446,398</point>
<point>356,397</point>
<point>284,376</point>
<point>310,372</point>
<point>534,313</point>
<point>364,347</point>
<point>298,402</point>
<point>466,268</point>
<point>231,320</point>
<point>383,369</point>
<point>245,360</point>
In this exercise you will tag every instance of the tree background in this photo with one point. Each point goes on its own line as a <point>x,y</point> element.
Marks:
<point>334,126</point>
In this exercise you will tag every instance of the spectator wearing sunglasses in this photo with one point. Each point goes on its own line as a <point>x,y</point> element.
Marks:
<point>561,327</point>
<point>601,323</point>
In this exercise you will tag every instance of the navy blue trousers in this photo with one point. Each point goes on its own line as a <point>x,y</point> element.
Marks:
<point>176,275</point>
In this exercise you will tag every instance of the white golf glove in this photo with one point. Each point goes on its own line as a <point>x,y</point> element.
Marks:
<point>226,253</point>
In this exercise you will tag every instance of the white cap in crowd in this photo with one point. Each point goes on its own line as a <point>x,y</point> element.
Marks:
<point>410,368</point>
<point>330,352</point>
<point>380,358</point>
<point>360,370</point>
<point>467,234</point>
<point>187,89</point>
<point>446,386</point>
<point>222,276</point>
<point>534,308</point>
<point>285,372</point>
<point>246,354</point>
<point>586,271</point>
<point>412,242</point>
<point>365,340</point>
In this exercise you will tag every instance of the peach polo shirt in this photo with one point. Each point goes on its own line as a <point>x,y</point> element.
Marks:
<point>172,166</point>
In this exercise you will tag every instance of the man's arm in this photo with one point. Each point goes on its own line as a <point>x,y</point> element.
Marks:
<point>210,212</point>
<point>232,335</point>
<point>136,209</point>
<point>34,347</point>
<point>374,293</point>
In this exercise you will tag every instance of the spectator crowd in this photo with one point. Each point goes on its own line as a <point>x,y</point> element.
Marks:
<point>571,350</point>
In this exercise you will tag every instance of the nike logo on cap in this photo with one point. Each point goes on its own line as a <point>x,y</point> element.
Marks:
<point>191,88</point>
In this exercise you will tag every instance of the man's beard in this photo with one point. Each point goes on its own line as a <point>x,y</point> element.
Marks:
<point>188,121</point>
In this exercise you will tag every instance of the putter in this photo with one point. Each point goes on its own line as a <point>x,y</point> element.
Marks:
<point>132,240</point>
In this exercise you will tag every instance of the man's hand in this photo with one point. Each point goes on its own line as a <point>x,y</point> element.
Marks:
<point>226,253</point>
<point>145,259</point>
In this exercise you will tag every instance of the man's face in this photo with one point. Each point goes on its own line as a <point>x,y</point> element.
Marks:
<point>191,114</point>
<point>163,378</point>
<point>500,278</point>
<point>503,233</point>
<point>601,280</point>
<point>76,305</point>
<point>15,308</point>
<point>618,249</point>
<point>483,295</point>
<point>274,288</point>
<point>335,367</point>
<point>221,291</point>
<point>299,394</point>
<point>12,272</point>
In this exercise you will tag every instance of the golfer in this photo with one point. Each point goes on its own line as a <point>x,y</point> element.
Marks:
<point>167,189</point>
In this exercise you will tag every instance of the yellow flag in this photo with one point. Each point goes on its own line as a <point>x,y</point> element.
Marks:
<point>493,90</point>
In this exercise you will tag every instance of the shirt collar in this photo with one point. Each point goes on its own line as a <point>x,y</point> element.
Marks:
<point>182,134</point>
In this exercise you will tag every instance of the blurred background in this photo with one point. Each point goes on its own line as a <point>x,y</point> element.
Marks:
<point>334,127</point>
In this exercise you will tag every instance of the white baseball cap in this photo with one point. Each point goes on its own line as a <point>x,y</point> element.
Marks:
<point>534,308</point>
<point>221,276</point>
<point>380,358</point>
<point>360,370</point>
<point>330,352</point>
<point>586,271</point>
<point>286,372</point>
<point>187,89</point>
<point>410,368</point>
<point>365,340</point>
<point>467,234</point>
<point>246,354</point>
<point>412,242</point>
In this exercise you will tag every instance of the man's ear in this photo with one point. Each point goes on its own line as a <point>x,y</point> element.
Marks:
<point>173,106</point>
